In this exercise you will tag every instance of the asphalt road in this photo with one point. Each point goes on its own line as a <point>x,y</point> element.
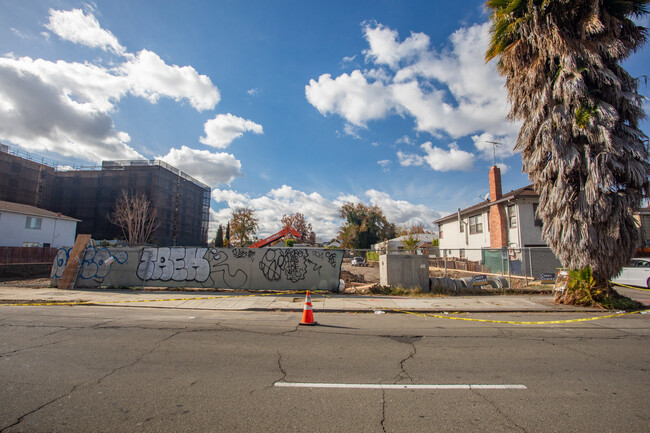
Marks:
<point>109,369</point>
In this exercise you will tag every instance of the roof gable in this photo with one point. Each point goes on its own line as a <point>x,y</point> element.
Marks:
<point>526,191</point>
<point>25,209</point>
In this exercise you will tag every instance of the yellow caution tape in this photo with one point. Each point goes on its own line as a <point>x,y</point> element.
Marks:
<point>629,287</point>
<point>512,322</point>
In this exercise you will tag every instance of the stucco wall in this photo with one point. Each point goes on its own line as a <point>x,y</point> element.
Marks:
<point>530,233</point>
<point>56,232</point>
<point>453,239</point>
<point>236,268</point>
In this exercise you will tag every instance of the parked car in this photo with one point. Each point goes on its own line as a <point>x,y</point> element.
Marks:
<point>358,261</point>
<point>637,273</point>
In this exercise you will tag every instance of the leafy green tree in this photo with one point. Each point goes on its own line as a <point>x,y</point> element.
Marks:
<point>410,242</point>
<point>580,140</point>
<point>218,239</point>
<point>243,226</point>
<point>363,226</point>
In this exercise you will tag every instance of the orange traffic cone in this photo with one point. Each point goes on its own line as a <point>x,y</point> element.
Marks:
<point>308,312</point>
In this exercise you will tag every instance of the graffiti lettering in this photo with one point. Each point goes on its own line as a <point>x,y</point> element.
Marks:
<point>177,264</point>
<point>219,265</point>
<point>331,257</point>
<point>292,262</point>
<point>60,261</point>
<point>242,253</point>
<point>237,268</point>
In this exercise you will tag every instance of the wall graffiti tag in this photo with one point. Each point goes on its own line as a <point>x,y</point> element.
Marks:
<point>220,270</point>
<point>178,264</point>
<point>237,268</point>
<point>97,262</point>
<point>59,262</point>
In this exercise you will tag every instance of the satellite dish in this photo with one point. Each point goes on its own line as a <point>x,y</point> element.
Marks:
<point>487,197</point>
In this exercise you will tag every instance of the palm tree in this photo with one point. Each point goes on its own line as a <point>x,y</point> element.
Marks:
<point>580,140</point>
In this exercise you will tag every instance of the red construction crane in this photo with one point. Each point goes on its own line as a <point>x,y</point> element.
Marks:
<point>275,237</point>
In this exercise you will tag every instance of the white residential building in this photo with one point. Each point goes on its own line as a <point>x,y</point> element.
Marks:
<point>505,220</point>
<point>424,243</point>
<point>22,225</point>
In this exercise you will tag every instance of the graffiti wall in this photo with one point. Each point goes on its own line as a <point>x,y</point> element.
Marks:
<point>235,268</point>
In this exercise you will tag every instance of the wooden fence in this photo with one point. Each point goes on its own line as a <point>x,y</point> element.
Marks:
<point>23,255</point>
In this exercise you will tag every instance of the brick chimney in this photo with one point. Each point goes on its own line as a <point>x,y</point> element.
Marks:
<point>498,226</point>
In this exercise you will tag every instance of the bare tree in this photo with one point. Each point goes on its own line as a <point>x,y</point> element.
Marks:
<point>137,218</point>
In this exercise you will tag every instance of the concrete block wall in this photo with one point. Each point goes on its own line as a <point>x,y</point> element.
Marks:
<point>235,268</point>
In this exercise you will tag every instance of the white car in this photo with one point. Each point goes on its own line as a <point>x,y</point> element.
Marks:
<point>358,261</point>
<point>637,273</point>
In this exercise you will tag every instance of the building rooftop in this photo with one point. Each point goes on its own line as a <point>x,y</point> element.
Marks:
<point>526,191</point>
<point>7,206</point>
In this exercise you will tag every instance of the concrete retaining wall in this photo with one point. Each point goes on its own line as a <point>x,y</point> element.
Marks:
<point>235,268</point>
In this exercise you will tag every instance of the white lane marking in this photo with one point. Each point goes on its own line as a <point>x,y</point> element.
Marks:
<point>391,386</point>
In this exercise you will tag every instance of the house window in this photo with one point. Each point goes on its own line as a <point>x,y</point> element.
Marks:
<point>462,253</point>
<point>440,235</point>
<point>512,216</point>
<point>538,222</point>
<point>33,223</point>
<point>462,226</point>
<point>476,224</point>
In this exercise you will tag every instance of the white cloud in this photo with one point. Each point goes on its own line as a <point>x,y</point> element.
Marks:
<point>452,92</point>
<point>385,49</point>
<point>37,115</point>
<point>352,131</point>
<point>439,159</point>
<point>350,96</point>
<point>485,144</point>
<point>150,77</point>
<point>210,168</point>
<point>79,28</point>
<point>322,213</point>
<point>407,159</point>
<point>224,128</point>
<point>384,162</point>
<point>402,212</point>
<point>65,107</point>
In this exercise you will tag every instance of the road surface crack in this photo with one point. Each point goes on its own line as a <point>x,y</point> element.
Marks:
<point>98,381</point>
<point>383,410</point>
<point>22,349</point>
<point>499,411</point>
<point>403,374</point>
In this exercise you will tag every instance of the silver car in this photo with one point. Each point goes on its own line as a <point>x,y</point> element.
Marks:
<point>637,273</point>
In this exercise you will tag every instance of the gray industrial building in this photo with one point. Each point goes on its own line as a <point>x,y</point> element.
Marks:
<point>182,202</point>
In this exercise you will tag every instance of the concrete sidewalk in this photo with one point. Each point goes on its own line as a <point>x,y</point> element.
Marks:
<point>247,301</point>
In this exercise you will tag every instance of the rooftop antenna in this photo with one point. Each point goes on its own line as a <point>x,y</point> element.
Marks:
<point>494,144</point>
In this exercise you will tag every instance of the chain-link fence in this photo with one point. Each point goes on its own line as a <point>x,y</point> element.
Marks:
<point>520,264</point>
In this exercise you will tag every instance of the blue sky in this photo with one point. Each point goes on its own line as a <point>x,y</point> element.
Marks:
<point>283,106</point>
